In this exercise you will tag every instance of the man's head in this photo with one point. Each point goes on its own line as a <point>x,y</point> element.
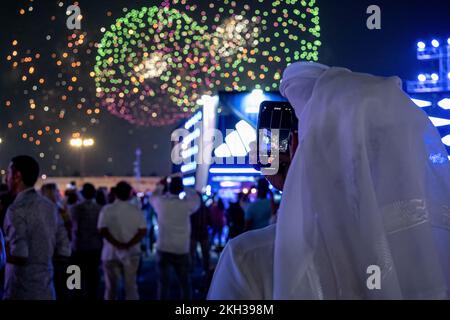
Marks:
<point>101,196</point>
<point>176,185</point>
<point>123,191</point>
<point>88,191</point>
<point>23,172</point>
<point>298,83</point>
<point>50,191</point>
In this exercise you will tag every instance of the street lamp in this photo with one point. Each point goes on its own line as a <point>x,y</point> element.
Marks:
<point>88,142</point>
<point>81,144</point>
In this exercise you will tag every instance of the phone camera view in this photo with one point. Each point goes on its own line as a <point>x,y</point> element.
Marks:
<point>275,123</point>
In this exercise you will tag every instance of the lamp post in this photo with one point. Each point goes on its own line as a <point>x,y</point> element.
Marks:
<point>82,144</point>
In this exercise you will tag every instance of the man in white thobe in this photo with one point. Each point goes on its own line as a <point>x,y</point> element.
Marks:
<point>366,191</point>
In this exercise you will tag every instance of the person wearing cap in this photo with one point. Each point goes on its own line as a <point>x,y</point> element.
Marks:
<point>365,205</point>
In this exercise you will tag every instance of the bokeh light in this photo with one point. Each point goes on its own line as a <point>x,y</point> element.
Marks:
<point>150,66</point>
<point>154,63</point>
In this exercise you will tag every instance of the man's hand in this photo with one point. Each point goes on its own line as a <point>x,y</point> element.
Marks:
<point>136,239</point>
<point>284,161</point>
<point>104,232</point>
<point>277,180</point>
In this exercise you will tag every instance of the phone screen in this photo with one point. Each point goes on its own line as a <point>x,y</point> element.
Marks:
<point>275,123</point>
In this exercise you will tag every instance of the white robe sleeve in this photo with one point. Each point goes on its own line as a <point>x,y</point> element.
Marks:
<point>232,279</point>
<point>245,269</point>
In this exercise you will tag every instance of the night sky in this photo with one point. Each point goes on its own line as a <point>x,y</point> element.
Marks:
<point>345,42</point>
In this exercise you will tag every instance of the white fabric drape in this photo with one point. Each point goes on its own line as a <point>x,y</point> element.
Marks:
<point>369,185</point>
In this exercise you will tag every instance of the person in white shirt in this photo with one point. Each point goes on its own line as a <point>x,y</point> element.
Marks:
<point>122,225</point>
<point>34,234</point>
<point>365,206</point>
<point>174,230</point>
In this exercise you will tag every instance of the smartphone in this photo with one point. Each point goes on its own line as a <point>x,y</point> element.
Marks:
<point>276,123</point>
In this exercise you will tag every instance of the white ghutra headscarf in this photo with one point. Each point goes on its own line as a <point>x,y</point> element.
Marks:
<point>369,185</point>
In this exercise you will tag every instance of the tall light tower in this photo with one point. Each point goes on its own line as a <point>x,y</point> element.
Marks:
<point>137,165</point>
<point>82,144</point>
<point>431,90</point>
<point>438,51</point>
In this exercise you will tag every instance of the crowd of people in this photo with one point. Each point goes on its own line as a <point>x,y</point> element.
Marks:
<point>364,212</point>
<point>107,233</point>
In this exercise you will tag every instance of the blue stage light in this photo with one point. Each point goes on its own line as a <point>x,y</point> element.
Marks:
<point>189,167</point>
<point>422,77</point>
<point>435,77</point>
<point>189,181</point>
<point>435,43</point>
<point>421,45</point>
